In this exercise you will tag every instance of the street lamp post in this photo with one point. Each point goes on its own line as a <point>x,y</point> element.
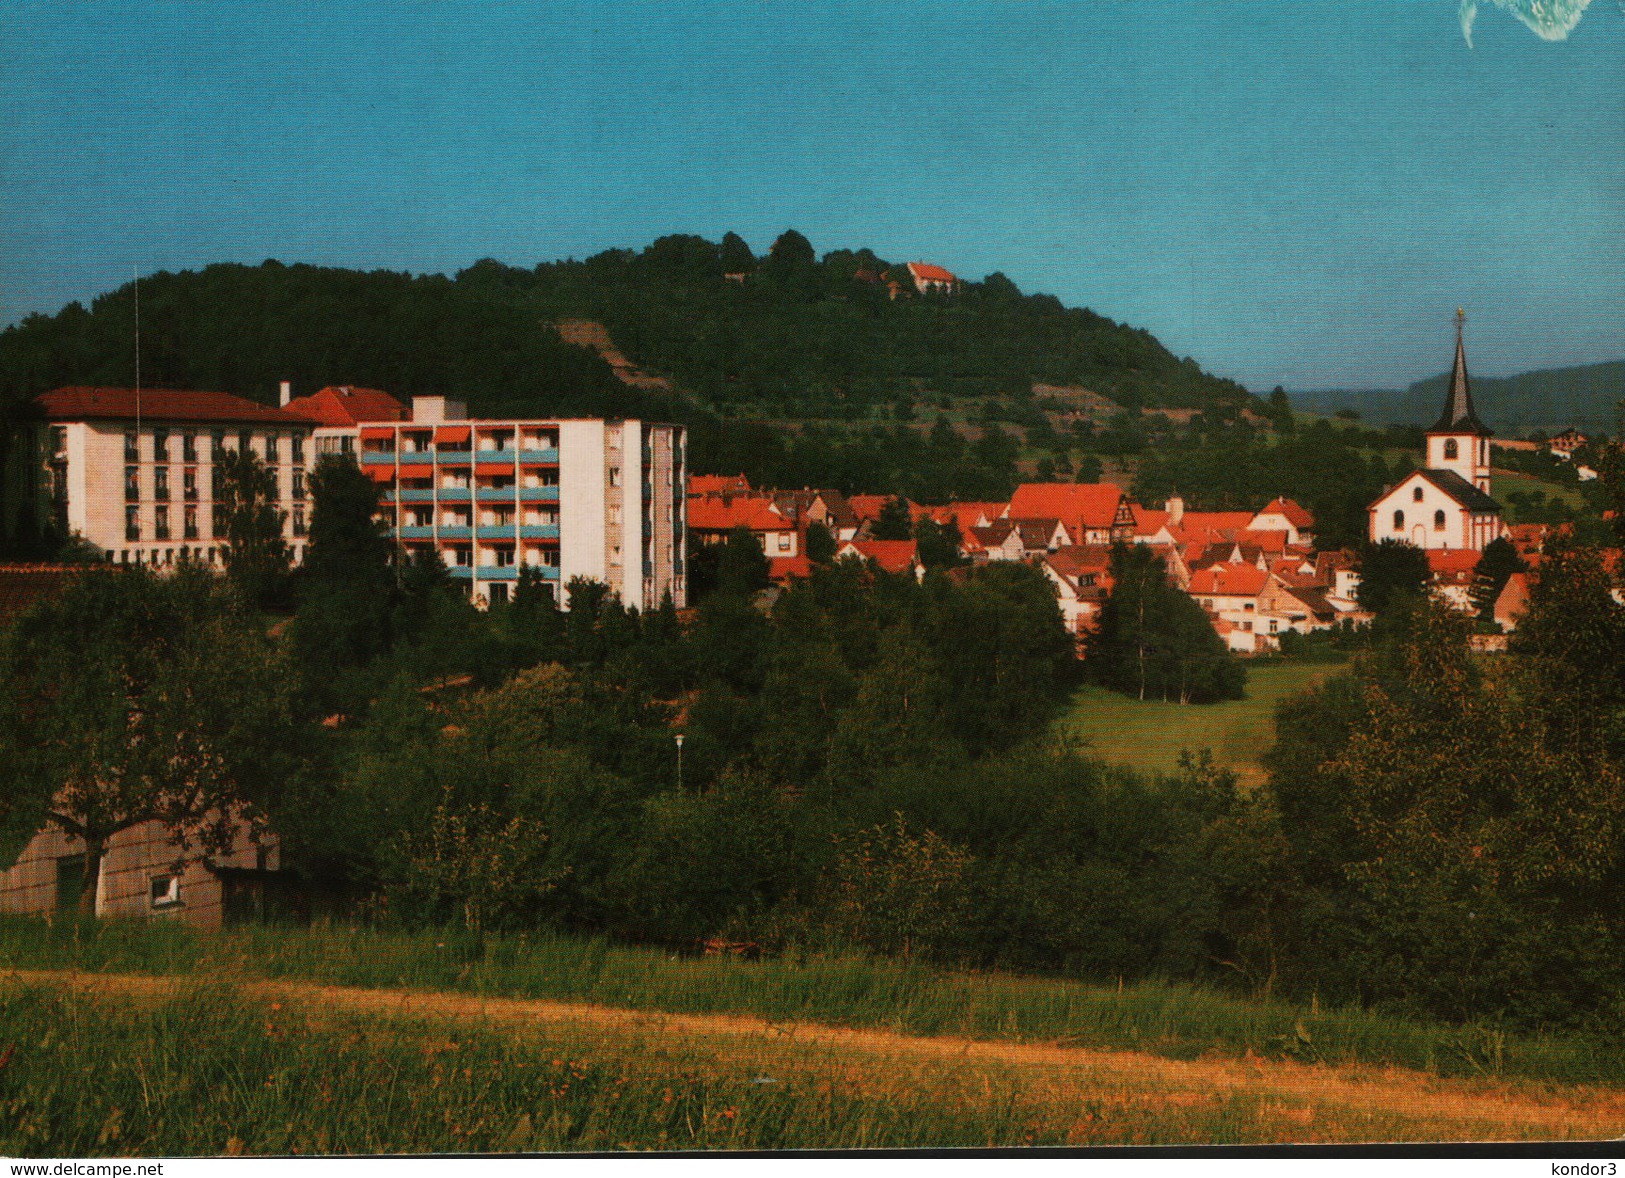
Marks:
<point>679,739</point>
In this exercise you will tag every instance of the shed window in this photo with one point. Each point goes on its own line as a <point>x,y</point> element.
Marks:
<point>165,891</point>
<point>1399,521</point>
<point>1438,521</point>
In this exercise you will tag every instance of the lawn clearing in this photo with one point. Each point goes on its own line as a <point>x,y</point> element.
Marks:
<point>188,1066</point>
<point>1150,735</point>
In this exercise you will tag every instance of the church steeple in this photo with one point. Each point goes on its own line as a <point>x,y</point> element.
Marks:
<point>1459,416</point>
<point>1459,442</point>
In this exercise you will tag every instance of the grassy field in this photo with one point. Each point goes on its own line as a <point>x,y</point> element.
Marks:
<point>1505,482</point>
<point>1149,736</point>
<point>113,1064</point>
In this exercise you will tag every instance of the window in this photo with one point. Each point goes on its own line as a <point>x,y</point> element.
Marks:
<point>502,558</point>
<point>188,447</point>
<point>786,542</point>
<point>1451,450</point>
<point>1416,494</point>
<point>1438,521</point>
<point>217,483</point>
<point>296,444</point>
<point>270,447</point>
<point>1274,625</point>
<point>245,442</point>
<point>132,523</point>
<point>160,445</point>
<point>217,520</point>
<point>132,447</point>
<point>132,483</point>
<point>189,527</point>
<point>165,891</point>
<point>1399,521</point>
<point>498,592</point>
<point>298,521</point>
<point>59,440</point>
<point>160,482</point>
<point>298,482</point>
<point>218,446</point>
<point>189,483</point>
<point>614,476</point>
<point>160,522</point>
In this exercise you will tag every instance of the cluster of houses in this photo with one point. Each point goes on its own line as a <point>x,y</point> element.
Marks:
<point>1256,573</point>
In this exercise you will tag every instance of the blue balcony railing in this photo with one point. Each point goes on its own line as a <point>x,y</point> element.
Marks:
<point>547,457</point>
<point>409,495</point>
<point>495,495</point>
<point>454,457</point>
<point>415,532</point>
<point>538,494</point>
<point>378,457</point>
<point>491,572</point>
<point>455,494</point>
<point>539,532</point>
<point>461,570</point>
<point>494,532</point>
<point>455,532</point>
<point>416,457</point>
<point>503,456</point>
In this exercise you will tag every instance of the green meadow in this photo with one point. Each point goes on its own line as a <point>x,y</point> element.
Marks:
<point>1150,735</point>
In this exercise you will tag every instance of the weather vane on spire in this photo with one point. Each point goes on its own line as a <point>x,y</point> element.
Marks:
<point>1461,321</point>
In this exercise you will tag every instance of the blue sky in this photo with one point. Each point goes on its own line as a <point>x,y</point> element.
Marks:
<point>1293,193</point>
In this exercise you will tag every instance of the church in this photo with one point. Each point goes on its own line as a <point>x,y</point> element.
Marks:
<point>1446,504</point>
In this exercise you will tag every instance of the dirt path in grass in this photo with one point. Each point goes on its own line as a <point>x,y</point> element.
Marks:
<point>1313,1096</point>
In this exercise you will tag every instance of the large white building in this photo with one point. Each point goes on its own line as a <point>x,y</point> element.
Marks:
<point>1446,503</point>
<point>135,476</point>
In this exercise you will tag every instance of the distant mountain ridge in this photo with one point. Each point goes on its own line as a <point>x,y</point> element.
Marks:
<point>1547,399</point>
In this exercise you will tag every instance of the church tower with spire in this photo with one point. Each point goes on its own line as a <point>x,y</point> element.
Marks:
<point>1446,503</point>
<point>1459,441</point>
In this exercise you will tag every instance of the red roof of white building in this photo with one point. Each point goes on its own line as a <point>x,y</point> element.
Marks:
<point>1452,563</point>
<point>926,272</point>
<point>344,405</point>
<point>84,403</point>
<point>868,507</point>
<point>1296,515</point>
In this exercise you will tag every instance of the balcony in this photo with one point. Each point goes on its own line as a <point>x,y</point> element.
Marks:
<point>462,571</point>
<point>548,457</point>
<point>454,457</point>
<point>409,495</point>
<point>456,532</point>
<point>494,532</point>
<point>538,494</point>
<point>493,572</point>
<point>547,572</point>
<point>368,457</point>
<point>416,532</point>
<point>495,495</point>
<point>504,456</point>
<point>539,532</point>
<point>417,457</point>
<point>454,494</point>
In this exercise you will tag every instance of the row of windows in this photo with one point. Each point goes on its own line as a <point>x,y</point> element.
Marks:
<point>169,557</point>
<point>161,484</point>
<point>1438,518</point>
<point>189,522</point>
<point>189,445</point>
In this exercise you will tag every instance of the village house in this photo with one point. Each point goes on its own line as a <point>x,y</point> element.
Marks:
<point>1081,575</point>
<point>1091,513</point>
<point>1285,515</point>
<point>1566,443</point>
<point>889,556</point>
<point>928,278</point>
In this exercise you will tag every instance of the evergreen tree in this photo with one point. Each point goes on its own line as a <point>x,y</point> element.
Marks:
<point>1393,574</point>
<point>895,521</point>
<point>1495,566</point>
<point>736,255</point>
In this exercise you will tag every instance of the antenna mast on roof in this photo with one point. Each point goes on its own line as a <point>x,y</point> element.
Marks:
<point>135,281</point>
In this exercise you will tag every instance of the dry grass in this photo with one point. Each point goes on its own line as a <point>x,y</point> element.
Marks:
<point>959,1091</point>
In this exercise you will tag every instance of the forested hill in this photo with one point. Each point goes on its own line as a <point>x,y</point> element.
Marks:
<point>798,338</point>
<point>1548,400</point>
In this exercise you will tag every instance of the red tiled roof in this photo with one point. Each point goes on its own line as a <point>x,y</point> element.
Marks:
<point>1093,505</point>
<point>781,569</point>
<point>893,556</point>
<point>343,405</point>
<point>1272,542</point>
<point>709,513</point>
<point>1198,525</point>
<point>718,484</point>
<point>868,507</point>
<point>1456,563</point>
<point>1147,522</point>
<point>1296,515</point>
<point>962,515</point>
<point>84,403</point>
<point>926,272</point>
<point>1228,580</point>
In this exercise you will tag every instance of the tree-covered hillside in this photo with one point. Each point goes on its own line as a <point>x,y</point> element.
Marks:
<point>789,337</point>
